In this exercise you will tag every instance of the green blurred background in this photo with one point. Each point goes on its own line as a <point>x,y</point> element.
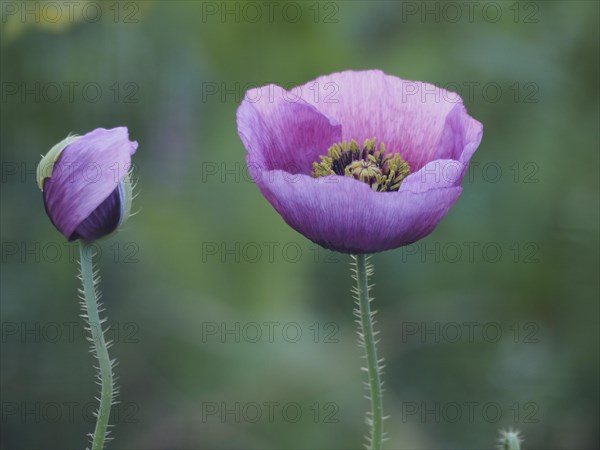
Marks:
<point>490,322</point>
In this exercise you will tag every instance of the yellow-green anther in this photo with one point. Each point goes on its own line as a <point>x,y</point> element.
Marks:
<point>365,171</point>
<point>380,170</point>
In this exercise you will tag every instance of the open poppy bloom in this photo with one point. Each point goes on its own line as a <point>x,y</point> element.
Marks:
<point>86,185</point>
<point>372,167</point>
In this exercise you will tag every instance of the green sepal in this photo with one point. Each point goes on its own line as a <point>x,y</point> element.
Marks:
<point>46,165</point>
<point>126,191</point>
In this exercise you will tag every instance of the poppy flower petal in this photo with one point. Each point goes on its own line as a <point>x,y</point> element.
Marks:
<point>346,215</point>
<point>284,132</point>
<point>410,117</point>
<point>102,221</point>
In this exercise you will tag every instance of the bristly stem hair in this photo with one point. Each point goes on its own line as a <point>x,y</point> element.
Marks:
<point>90,298</point>
<point>361,271</point>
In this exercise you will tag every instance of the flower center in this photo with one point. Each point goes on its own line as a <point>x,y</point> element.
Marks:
<point>382,171</point>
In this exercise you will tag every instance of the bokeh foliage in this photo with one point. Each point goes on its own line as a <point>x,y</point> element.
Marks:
<point>162,284</point>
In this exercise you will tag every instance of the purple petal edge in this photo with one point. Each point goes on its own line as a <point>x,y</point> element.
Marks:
<point>345,215</point>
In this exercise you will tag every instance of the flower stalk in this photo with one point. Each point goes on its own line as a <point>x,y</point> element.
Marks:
<point>510,440</point>
<point>362,270</point>
<point>90,296</point>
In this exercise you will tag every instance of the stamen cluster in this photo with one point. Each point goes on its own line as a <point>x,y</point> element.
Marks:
<point>382,171</point>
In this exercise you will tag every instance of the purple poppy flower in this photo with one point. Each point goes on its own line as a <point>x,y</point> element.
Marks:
<point>86,184</point>
<point>373,165</point>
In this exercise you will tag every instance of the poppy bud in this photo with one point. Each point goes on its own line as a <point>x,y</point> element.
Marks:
<point>86,183</point>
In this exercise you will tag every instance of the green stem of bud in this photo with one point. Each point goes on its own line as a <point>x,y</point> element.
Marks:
<point>90,296</point>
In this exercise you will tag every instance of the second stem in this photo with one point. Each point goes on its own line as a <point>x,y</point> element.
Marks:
<point>362,271</point>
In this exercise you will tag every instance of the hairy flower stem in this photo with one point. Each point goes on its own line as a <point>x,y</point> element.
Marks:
<point>510,440</point>
<point>90,297</point>
<point>366,337</point>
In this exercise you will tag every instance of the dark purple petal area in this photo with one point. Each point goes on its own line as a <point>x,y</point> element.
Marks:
<point>87,172</point>
<point>102,221</point>
<point>343,214</point>
<point>282,131</point>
